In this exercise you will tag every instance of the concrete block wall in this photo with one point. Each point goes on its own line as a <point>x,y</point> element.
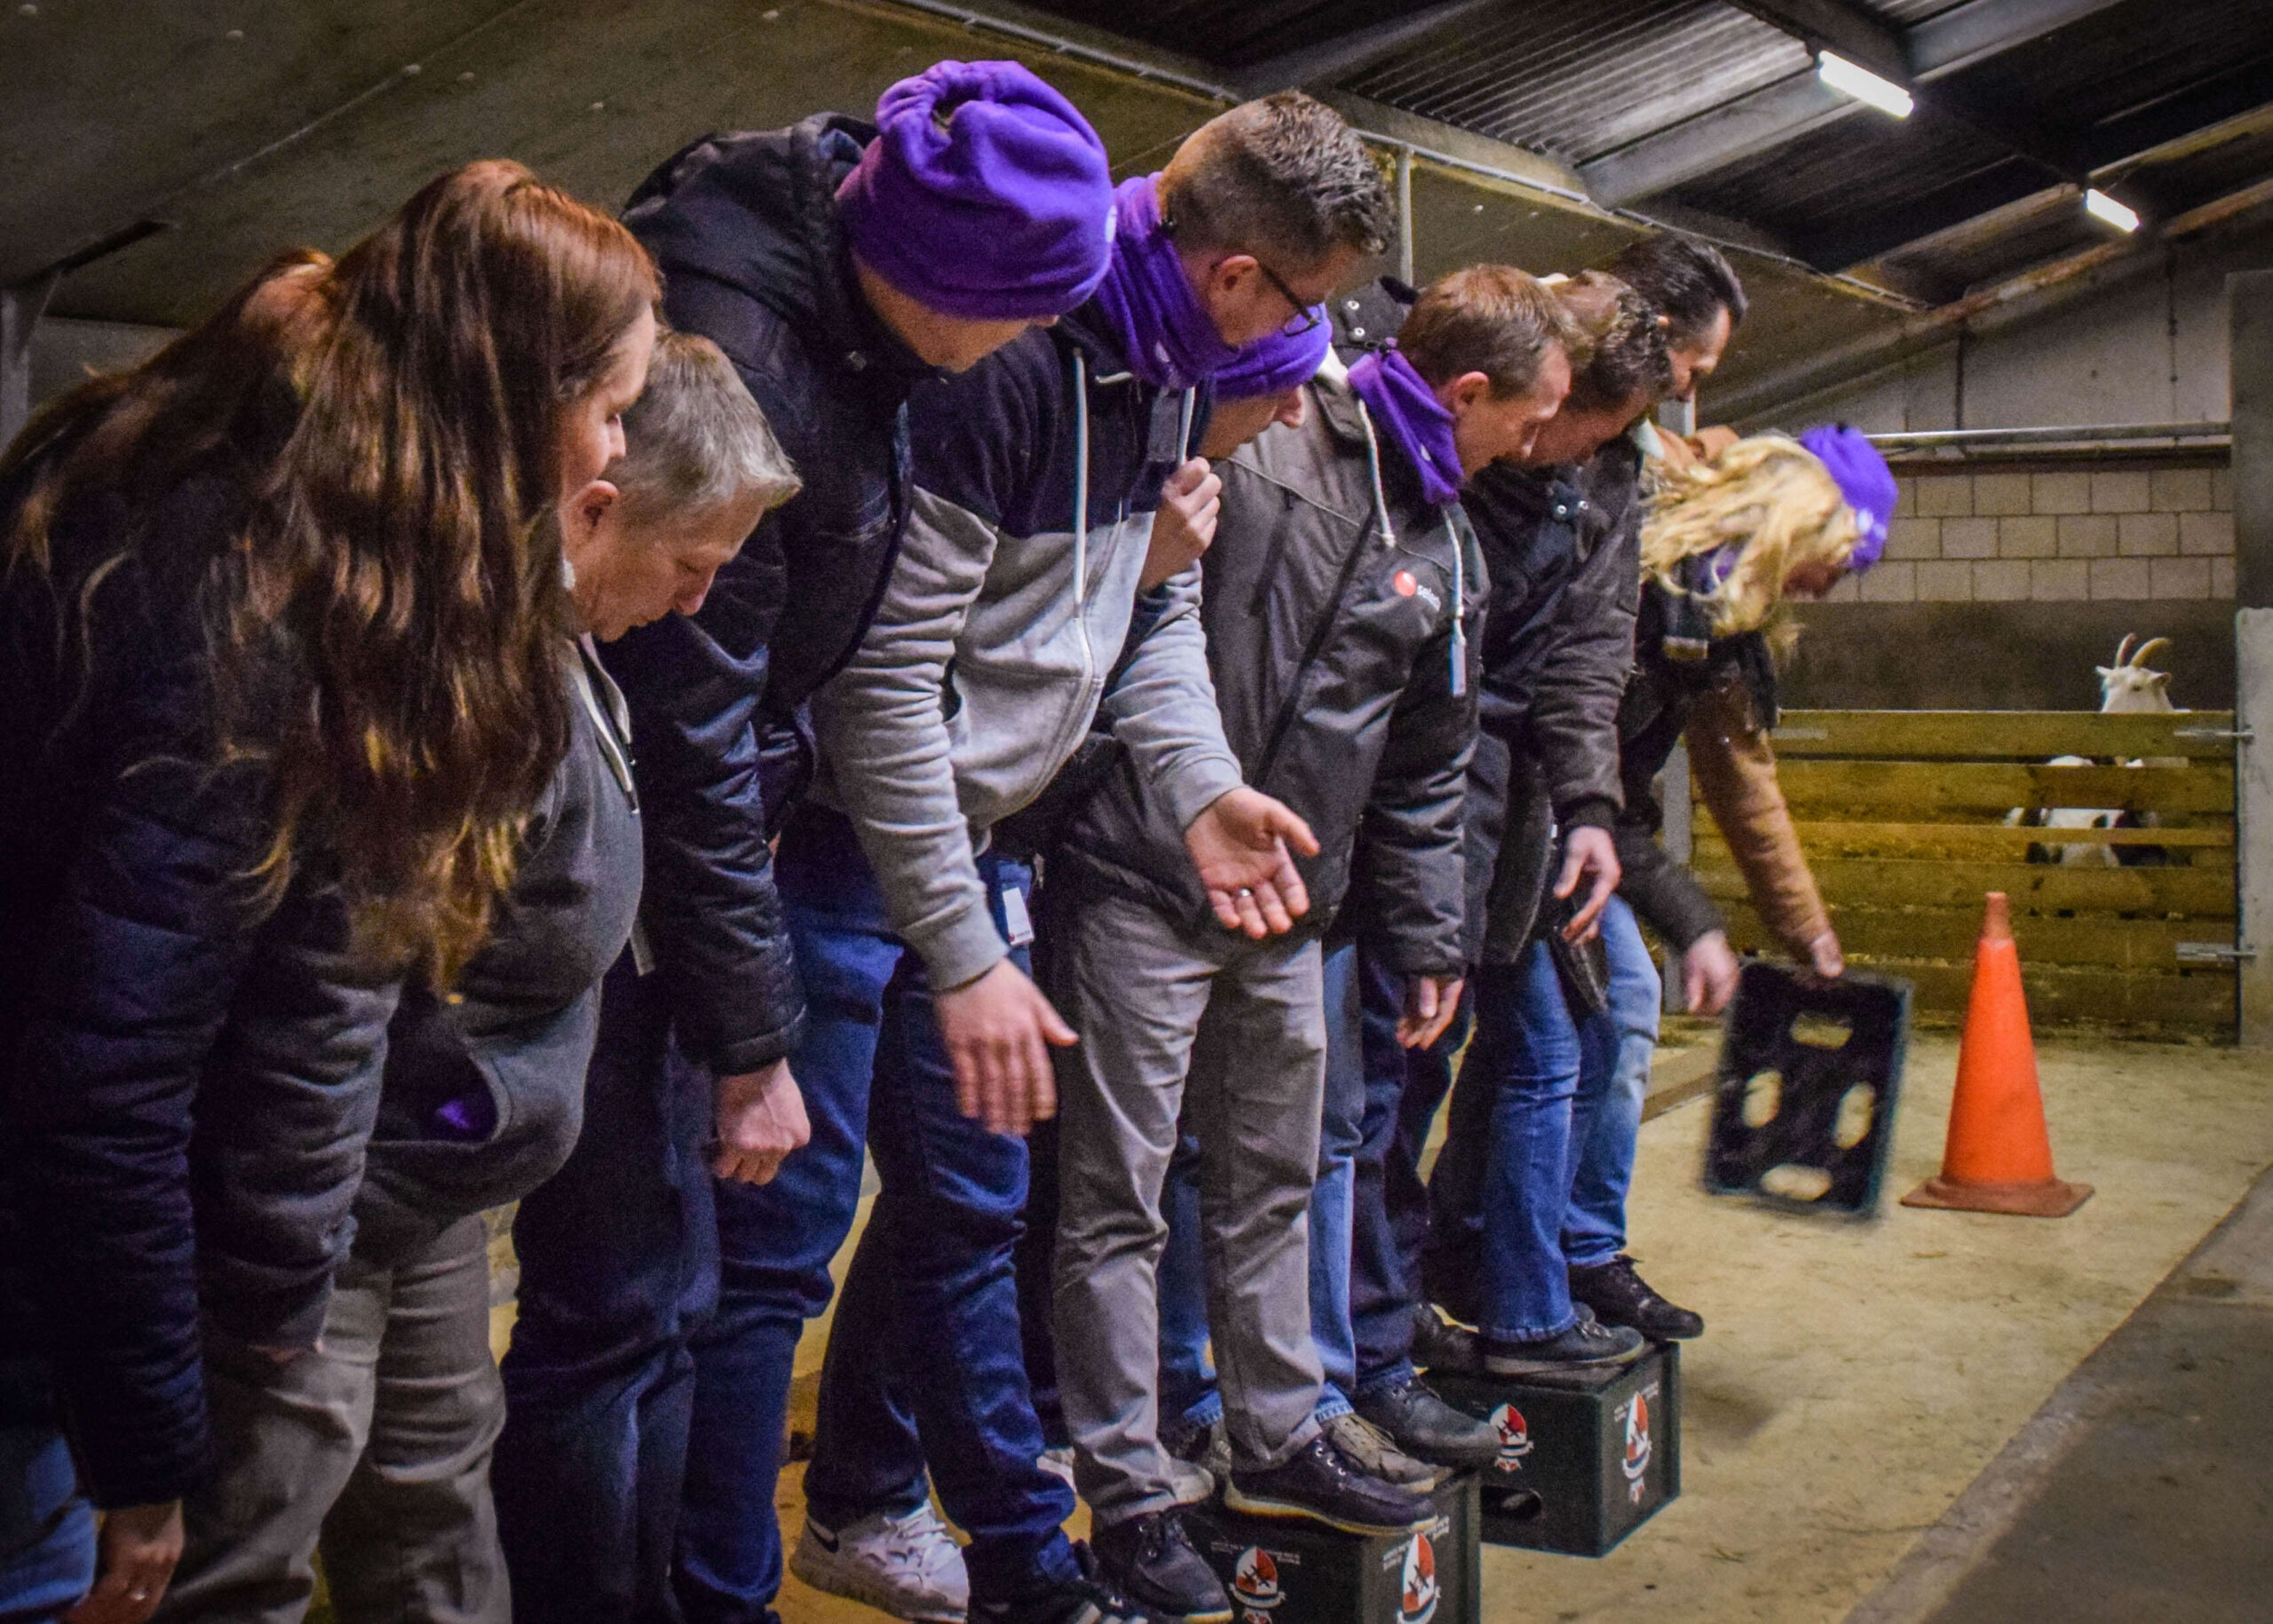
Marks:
<point>2131,535</point>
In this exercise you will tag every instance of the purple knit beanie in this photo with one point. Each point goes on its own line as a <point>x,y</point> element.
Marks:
<point>1274,365</point>
<point>985,195</point>
<point>1863,479</point>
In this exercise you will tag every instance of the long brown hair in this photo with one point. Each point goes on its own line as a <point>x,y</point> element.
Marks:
<point>386,626</point>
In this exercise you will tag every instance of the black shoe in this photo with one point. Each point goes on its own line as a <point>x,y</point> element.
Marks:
<point>1151,1559</point>
<point>1318,1483</point>
<point>1088,1598</point>
<point>1428,1429</point>
<point>1439,1345</point>
<point>1587,1345</point>
<point>1621,1297</point>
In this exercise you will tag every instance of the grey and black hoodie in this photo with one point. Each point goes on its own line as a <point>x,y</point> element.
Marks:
<point>1037,475</point>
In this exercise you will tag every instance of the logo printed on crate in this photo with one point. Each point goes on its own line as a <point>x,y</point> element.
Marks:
<point>1635,1462</point>
<point>1254,1583</point>
<point>1515,1437</point>
<point>1418,1597</point>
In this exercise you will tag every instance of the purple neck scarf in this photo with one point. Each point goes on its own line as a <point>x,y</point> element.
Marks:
<point>1163,331</point>
<point>1402,402</point>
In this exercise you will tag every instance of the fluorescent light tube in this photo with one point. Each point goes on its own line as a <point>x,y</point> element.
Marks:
<point>1863,84</point>
<point>2099,204</point>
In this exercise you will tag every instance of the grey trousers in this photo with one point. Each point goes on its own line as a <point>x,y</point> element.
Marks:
<point>376,1446</point>
<point>1230,1034</point>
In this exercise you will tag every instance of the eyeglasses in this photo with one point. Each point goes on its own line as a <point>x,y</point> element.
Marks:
<point>1305,316</point>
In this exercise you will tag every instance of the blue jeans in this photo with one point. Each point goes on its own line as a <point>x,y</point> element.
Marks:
<point>925,1361</point>
<point>1613,1079</point>
<point>619,1267</point>
<point>1527,1054</point>
<point>47,1529</point>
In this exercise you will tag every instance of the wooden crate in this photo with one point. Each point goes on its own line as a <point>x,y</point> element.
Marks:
<point>1902,813</point>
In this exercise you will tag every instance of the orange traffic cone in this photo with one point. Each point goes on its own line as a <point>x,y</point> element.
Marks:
<point>1999,1158</point>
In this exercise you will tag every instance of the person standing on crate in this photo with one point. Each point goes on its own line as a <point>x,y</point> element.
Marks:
<point>1342,602</point>
<point>1805,514</point>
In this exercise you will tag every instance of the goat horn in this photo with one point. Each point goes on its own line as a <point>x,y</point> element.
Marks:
<point>2146,648</point>
<point>2123,649</point>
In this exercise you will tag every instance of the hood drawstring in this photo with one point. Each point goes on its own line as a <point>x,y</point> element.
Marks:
<point>1459,555</point>
<point>1081,481</point>
<point>1183,426</point>
<point>1460,607</point>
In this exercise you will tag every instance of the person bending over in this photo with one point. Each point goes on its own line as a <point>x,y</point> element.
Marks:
<point>281,677</point>
<point>377,1443</point>
<point>1038,476</point>
<point>1704,672</point>
<point>1341,596</point>
<point>837,264</point>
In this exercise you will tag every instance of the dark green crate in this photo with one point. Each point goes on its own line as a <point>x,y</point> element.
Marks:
<point>1580,1467</point>
<point>1290,1570</point>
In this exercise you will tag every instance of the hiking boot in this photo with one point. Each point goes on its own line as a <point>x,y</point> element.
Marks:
<point>1588,1345</point>
<point>1374,1453</point>
<point>1089,1597</point>
<point>1152,1560</point>
<point>909,1567</point>
<point>1428,1429</point>
<point>1621,1297</point>
<point>1440,1344</point>
<point>1318,1482</point>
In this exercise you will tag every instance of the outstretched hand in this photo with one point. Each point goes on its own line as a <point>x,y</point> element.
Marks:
<point>1239,847</point>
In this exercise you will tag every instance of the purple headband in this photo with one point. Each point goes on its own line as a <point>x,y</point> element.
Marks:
<point>985,194</point>
<point>1863,479</point>
<point>1274,365</point>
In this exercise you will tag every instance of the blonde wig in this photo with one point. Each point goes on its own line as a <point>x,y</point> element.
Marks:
<point>1768,496</point>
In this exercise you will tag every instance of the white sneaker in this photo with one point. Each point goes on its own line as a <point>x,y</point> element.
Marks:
<point>1059,1463</point>
<point>909,1567</point>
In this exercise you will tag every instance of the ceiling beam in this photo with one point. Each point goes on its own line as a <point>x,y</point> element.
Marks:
<point>1727,134</point>
<point>1791,107</point>
<point>1968,34</point>
<point>1861,36</point>
<point>1346,54</point>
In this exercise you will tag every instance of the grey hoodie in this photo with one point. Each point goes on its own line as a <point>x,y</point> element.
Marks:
<point>1038,472</point>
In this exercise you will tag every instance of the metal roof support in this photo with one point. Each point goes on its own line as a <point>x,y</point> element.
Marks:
<point>1404,215</point>
<point>2249,296</point>
<point>1348,54</point>
<point>19,312</point>
<point>1790,108</point>
<point>1863,37</point>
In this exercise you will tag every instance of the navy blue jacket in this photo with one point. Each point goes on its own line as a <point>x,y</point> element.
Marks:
<point>745,229</point>
<point>187,1086</point>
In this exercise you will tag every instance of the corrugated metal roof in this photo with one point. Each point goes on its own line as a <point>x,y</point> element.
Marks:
<point>1577,78</point>
<point>1235,35</point>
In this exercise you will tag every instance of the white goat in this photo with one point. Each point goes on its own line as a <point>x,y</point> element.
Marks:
<point>2126,687</point>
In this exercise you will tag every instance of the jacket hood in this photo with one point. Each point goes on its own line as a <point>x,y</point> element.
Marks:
<point>756,211</point>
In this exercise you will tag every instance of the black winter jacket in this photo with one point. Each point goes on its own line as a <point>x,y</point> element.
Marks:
<point>1564,547</point>
<point>1660,703</point>
<point>187,1088</point>
<point>1330,640</point>
<point>745,229</point>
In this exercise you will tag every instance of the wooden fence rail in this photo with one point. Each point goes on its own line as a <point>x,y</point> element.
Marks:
<point>1904,817</point>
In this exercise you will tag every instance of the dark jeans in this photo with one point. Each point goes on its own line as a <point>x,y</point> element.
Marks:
<point>619,1266</point>
<point>925,1362</point>
<point>1405,1087</point>
<point>47,1529</point>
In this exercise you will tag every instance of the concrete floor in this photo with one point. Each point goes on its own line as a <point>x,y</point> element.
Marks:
<point>1857,1377</point>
